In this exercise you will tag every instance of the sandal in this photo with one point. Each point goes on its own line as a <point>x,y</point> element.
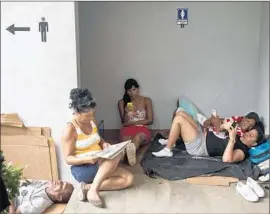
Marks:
<point>82,192</point>
<point>131,154</point>
<point>97,203</point>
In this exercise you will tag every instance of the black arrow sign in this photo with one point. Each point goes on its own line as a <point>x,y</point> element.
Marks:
<point>12,29</point>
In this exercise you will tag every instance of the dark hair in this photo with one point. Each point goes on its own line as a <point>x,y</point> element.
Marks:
<point>128,85</point>
<point>66,194</point>
<point>81,100</point>
<point>254,116</point>
<point>261,126</point>
<point>260,137</point>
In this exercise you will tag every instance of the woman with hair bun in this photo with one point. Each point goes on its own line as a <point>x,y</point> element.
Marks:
<point>80,140</point>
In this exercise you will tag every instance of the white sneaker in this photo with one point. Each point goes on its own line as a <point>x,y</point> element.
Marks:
<point>163,153</point>
<point>255,186</point>
<point>264,165</point>
<point>163,142</point>
<point>201,118</point>
<point>264,178</point>
<point>246,192</point>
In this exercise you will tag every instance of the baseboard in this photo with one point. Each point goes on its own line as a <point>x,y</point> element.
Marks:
<point>113,135</point>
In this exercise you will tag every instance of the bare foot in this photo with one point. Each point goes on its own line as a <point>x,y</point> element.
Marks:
<point>82,192</point>
<point>87,186</point>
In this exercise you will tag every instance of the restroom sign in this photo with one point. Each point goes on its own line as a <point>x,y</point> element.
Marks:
<point>182,17</point>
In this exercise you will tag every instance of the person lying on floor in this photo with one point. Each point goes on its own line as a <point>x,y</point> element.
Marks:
<point>214,123</point>
<point>81,141</point>
<point>136,114</point>
<point>200,143</point>
<point>36,196</point>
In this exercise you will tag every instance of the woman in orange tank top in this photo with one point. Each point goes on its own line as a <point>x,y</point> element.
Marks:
<point>80,139</point>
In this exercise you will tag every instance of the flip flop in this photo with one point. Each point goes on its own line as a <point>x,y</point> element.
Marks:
<point>131,154</point>
<point>82,192</point>
<point>97,203</point>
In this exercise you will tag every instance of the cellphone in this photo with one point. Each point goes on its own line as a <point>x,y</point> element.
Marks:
<point>130,105</point>
<point>214,113</point>
<point>234,124</point>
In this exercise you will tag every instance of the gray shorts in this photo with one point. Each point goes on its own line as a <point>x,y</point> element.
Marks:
<point>197,147</point>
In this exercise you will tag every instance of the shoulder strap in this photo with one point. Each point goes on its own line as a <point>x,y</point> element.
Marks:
<point>75,124</point>
<point>94,127</point>
<point>144,103</point>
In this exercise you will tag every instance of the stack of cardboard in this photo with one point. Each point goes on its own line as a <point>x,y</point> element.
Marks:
<point>212,180</point>
<point>29,147</point>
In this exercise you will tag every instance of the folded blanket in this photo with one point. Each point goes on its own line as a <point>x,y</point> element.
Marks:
<point>182,165</point>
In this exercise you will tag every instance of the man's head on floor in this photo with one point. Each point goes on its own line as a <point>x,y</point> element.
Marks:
<point>249,121</point>
<point>59,191</point>
<point>253,136</point>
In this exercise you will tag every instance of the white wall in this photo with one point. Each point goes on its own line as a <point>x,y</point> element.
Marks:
<point>212,60</point>
<point>36,77</point>
<point>262,97</point>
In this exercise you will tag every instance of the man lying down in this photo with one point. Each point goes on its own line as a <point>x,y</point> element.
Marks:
<point>35,196</point>
<point>200,142</point>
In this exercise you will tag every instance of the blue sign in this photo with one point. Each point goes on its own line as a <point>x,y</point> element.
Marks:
<point>182,16</point>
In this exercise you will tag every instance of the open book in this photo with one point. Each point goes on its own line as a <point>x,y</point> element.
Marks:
<point>113,150</point>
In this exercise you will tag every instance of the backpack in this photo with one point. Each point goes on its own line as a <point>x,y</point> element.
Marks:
<point>260,153</point>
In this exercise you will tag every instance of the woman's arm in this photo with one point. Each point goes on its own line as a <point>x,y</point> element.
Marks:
<point>123,116</point>
<point>102,142</point>
<point>68,140</point>
<point>226,124</point>
<point>12,208</point>
<point>230,155</point>
<point>213,121</point>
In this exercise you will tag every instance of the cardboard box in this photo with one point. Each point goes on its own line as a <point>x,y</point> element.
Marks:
<point>32,148</point>
<point>11,130</point>
<point>55,209</point>
<point>29,147</point>
<point>11,120</point>
<point>212,180</point>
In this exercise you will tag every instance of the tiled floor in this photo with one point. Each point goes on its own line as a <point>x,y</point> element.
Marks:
<point>161,196</point>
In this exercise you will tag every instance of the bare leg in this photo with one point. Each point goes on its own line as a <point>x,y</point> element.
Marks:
<point>106,168</point>
<point>174,114</point>
<point>119,179</point>
<point>125,138</point>
<point>164,142</point>
<point>188,117</point>
<point>139,139</point>
<point>182,125</point>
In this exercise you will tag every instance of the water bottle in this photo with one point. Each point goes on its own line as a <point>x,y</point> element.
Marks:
<point>101,128</point>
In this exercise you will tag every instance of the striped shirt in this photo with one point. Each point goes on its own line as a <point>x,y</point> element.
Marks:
<point>87,144</point>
